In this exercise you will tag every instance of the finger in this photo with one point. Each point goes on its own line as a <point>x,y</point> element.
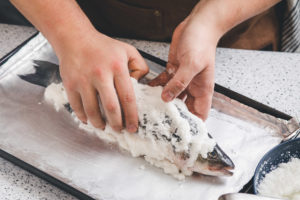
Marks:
<point>127,99</point>
<point>178,83</point>
<point>199,106</point>
<point>202,105</point>
<point>161,79</point>
<point>183,96</point>
<point>136,64</point>
<point>91,107</point>
<point>174,43</point>
<point>76,105</point>
<point>172,64</point>
<point>110,103</point>
<point>202,89</point>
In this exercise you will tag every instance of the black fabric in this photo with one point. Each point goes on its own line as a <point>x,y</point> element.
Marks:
<point>10,15</point>
<point>139,19</point>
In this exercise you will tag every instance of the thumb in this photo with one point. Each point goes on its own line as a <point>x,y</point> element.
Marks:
<point>136,64</point>
<point>178,83</point>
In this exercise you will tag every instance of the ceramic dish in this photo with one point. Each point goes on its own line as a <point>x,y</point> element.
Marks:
<point>279,154</point>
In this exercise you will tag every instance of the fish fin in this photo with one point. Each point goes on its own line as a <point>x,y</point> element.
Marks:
<point>45,74</point>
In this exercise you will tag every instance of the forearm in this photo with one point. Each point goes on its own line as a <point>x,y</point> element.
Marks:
<point>223,15</point>
<point>60,21</point>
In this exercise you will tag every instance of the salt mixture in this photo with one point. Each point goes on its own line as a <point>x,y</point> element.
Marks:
<point>283,182</point>
<point>170,137</point>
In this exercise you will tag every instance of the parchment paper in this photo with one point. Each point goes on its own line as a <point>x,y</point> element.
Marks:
<point>34,132</point>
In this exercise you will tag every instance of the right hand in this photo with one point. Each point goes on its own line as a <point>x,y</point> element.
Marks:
<point>98,65</point>
<point>189,72</point>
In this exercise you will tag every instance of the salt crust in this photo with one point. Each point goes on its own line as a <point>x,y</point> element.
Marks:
<point>167,131</point>
<point>283,182</point>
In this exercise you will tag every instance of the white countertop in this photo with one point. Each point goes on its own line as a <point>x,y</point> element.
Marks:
<point>269,77</point>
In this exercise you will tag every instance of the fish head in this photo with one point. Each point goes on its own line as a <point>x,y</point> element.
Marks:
<point>217,163</point>
<point>244,196</point>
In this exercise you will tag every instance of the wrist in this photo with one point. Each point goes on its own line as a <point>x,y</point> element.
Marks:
<point>209,15</point>
<point>199,30</point>
<point>71,37</point>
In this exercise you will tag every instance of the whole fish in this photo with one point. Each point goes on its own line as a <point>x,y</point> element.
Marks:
<point>169,136</point>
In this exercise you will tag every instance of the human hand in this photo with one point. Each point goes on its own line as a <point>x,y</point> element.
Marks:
<point>189,72</point>
<point>98,65</point>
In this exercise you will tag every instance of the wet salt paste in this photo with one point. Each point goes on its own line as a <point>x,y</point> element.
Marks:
<point>283,182</point>
<point>169,136</point>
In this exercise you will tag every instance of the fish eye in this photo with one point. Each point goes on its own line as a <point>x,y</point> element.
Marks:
<point>212,155</point>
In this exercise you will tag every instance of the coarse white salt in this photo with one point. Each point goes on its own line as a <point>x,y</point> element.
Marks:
<point>282,182</point>
<point>142,167</point>
<point>167,131</point>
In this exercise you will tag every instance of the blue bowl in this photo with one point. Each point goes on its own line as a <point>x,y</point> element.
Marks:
<point>279,154</point>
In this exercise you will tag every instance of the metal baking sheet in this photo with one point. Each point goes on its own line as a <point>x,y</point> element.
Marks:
<point>51,142</point>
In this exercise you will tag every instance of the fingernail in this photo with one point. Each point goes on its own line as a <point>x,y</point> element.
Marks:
<point>168,96</point>
<point>100,126</point>
<point>117,128</point>
<point>132,128</point>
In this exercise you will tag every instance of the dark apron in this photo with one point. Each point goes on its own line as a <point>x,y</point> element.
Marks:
<point>157,19</point>
<point>140,19</point>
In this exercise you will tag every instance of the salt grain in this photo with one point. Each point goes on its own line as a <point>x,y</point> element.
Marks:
<point>142,167</point>
<point>283,182</point>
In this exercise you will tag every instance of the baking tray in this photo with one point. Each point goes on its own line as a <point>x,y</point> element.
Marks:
<point>218,88</point>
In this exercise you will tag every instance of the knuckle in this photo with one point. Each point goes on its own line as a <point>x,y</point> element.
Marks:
<point>128,98</point>
<point>117,66</point>
<point>98,72</point>
<point>180,84</point>
<point>82,81</point>
<point>91,112</point>
<point>70,85</point>
<point>208,89</point>
<point>111,107</point>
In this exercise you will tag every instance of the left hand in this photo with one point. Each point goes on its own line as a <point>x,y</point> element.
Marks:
<point>190,69</point>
